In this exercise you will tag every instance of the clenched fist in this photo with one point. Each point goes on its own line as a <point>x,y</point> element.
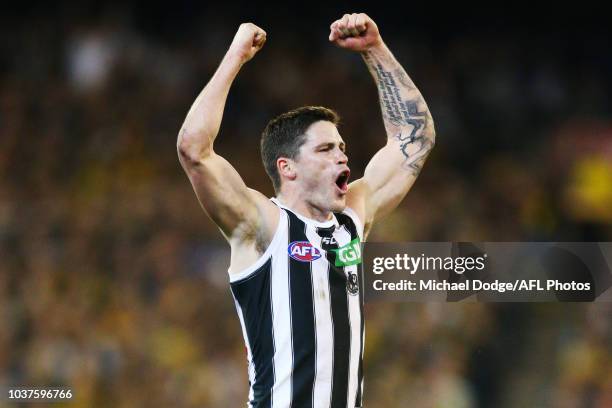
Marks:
<point>356,32</point>
<point>248,40</point>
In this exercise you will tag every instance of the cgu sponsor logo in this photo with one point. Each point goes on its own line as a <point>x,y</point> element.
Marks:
<point>349,254</point>
<point>303,251</point>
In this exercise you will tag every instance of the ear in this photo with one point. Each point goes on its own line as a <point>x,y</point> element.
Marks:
<point>286,168</point>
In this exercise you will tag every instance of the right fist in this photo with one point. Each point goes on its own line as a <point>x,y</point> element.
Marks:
<point>248,40</point>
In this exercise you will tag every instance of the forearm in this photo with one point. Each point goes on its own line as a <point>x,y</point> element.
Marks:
<point>203,120</point>
<point>407,120</point>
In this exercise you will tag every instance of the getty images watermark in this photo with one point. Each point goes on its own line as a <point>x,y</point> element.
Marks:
<point>488,271</point>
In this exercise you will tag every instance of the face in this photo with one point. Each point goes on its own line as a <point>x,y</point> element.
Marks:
<point>321,167</point>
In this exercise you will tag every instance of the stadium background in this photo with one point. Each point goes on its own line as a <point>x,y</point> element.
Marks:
<point>113,282</point>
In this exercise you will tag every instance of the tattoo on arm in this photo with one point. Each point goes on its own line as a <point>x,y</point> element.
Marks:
<point>404,79</point>
<point>403,114</point>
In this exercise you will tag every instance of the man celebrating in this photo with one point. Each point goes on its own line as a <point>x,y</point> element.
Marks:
<point>295,259</point>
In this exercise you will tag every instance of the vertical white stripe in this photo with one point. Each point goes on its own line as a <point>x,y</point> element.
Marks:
<point>324,333</point>
<point>343,237</point>
<point>281,321</point>
<point>361,301</point>
<point>354,306</point>
<point>356,344</point>
<point>251,366</point>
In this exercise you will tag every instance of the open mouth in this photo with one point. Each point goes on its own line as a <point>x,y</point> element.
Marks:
<point>342,180</point>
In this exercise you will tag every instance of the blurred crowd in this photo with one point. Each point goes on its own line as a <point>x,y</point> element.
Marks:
<point>113,281</point>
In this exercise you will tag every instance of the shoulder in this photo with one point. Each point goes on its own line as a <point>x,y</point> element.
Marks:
<point>352,215</point>
<point>258,229</point>
<point>249,251</point>
<point>265,222</point>
<point>356,203</point>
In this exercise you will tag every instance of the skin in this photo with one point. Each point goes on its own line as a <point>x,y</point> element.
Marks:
<point>309,184</point>
<point>246,217</point>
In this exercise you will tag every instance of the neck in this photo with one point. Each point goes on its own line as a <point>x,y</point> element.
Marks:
<point>303,207</point>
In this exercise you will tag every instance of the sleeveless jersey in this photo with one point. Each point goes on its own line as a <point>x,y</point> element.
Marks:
<point>300,307</point>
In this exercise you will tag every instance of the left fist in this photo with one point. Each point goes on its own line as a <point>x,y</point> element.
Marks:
<point>356,32</point>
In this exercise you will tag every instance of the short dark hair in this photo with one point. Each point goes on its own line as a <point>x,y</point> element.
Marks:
<point>284,135</point>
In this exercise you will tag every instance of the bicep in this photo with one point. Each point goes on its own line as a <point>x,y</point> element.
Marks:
<point>387,178</point>
<point>227,200</point>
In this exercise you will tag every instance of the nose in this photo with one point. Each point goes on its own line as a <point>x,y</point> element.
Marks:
<point>342,158</point>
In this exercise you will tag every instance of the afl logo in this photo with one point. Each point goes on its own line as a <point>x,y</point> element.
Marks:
<point>303,251</point>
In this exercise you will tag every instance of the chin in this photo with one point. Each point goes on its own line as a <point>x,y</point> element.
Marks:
<point>338,205</point>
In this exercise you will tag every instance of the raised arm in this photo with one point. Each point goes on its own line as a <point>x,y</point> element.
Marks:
<point>241,213</point>
<point>408,123</point>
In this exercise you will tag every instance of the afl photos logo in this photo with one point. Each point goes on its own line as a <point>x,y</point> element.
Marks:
<point>303,251</point>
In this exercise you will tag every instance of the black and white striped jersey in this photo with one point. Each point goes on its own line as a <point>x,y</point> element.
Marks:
<point>301,311</point>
